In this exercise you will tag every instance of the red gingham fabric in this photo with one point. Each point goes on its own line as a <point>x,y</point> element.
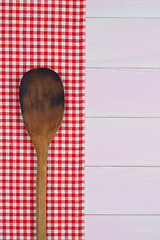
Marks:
<point>42,33</point>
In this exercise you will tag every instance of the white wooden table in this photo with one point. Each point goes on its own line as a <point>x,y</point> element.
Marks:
<point>122,185</point>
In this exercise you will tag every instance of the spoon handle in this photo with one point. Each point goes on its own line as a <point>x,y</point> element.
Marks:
<point>41,192</point>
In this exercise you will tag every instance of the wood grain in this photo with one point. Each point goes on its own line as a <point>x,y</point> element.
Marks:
<point>123,8</point>
<point>123,190</point>
<point>121,82</point>
<point>122,227</point>
<point>122,142</point>
<point>122,93</point>
<point>123,43</point>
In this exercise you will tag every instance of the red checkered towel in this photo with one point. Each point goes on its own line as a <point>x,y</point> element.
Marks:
<point>42,33</point>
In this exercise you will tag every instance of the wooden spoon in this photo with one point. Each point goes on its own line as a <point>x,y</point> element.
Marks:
<point>42,106</point>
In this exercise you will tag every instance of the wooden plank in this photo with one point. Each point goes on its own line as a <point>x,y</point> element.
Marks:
<point>123,142</point>
<point>122,93</point>
<point>122,190</point>
<point>122,227</point>
<point>123,43</point>
<point>123,8</point>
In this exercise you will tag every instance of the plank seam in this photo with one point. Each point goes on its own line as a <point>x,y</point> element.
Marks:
<point>88,117</point>
<point>125,17</point>
<point>125,68</point>
<point>104,214</point>
<point>112,166</point>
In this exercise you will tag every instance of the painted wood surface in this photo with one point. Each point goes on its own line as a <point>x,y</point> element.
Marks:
<point>122,227</point>
<point>122,120</point>
<point>122,142</point>
<point>123,190</point>
<point>123,43</point>
<point>122,92</point>
<point>123,8</point>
